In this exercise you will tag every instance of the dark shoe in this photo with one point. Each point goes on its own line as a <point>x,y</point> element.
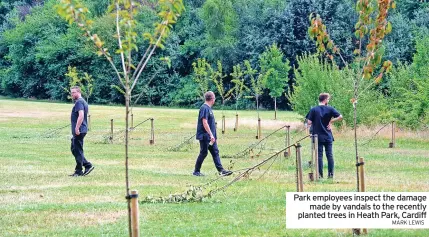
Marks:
<point>76,174</point>
<point>330,176</point>
<point>197,173</point>
<point>88,170</point>
<point>225,172</point>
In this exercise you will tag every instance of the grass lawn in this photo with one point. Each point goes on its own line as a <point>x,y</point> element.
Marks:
<point>38,198</point>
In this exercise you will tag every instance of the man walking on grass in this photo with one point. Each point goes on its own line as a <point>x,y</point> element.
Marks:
<point>206,134</point>
<point>321,118</point>
<point>79,129</point>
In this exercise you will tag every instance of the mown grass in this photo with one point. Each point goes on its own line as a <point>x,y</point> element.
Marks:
<point>37,198</point>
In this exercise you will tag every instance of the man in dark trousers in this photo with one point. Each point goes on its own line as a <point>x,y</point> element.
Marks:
<point>321,117</point>
<point>79,129</point>
<point>206,134</point>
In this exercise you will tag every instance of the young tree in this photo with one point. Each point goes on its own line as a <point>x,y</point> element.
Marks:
<point>239,86</point>
<point>85,83</point>
<point>127,72</point>
<point>238,89</point>
<point>201,75</point>
<point>272,59</point>
<point>371,28</point>
<point>257,82</point>
<point>217,77</point>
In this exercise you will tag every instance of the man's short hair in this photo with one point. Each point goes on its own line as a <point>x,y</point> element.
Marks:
<point>324,96</point>
<point>209,95</point>
<point>76,88</point>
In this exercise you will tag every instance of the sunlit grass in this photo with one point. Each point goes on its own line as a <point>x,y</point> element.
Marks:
<point>37,198</point>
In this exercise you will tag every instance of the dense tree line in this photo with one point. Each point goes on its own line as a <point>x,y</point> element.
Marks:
<point>36,47</point>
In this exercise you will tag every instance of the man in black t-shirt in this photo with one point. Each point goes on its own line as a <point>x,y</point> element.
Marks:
<point>320,118</point>
<point>79,128</point>
<point>206,134</point>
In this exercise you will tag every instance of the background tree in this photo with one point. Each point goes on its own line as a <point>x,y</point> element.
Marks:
<point>272,60</point>
<point>409,89</point>
<point>220,22</point>
<point>316,74</point>
<point>36,47</point>
<point>128,73</point>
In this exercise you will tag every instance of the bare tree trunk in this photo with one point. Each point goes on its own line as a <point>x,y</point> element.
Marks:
<point>257,105</point>
<point>275,108</point>
<point>127,111</point>
<point>355,135</point>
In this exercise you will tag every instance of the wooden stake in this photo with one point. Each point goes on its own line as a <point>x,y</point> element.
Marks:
<point>111,130</point>
<point>392,142</point>
<point>89,122</point>
<point>311,162</point>
<point>287,141</point>
<point>356,231</point>
<point>259,129</point>
<point>362,183</point>
<point>223,124</point>
<point>132,121</point>
<point>361,175</point>
<point>361,189</point>
<point>236,123</point>
<point>316,155</point>
<point>134,213</point>
<point>275,109</point>
<point>300,185</point>
<point>296,169</point>
<point>152,132</point>
<point>311,176</point>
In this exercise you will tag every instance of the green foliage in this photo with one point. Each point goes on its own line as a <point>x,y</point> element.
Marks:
<point>315,76</point>
<point>85,83</point>
<point>410,89</point>
<point>29,74</point>
<point>239,87</point>
<point>218,77</point>
<point>36,47</point>
<point>400,42</point>
<point>289,30</point>
<point>193,194</point>
<point>201,76</point>
<point>272,61</point>
<point>220,22</point>
<point>257,80</point>
<point>187,93</point>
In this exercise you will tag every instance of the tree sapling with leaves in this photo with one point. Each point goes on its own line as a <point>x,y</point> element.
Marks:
<point>272,61</point>
<point>128,73</point>
<point>371,28</point>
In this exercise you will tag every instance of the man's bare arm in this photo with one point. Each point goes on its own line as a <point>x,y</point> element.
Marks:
<point>339,118</point>
<point>79,122</point>
<point>207,128</point>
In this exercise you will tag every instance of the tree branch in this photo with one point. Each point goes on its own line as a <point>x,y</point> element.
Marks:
<point>147,59</point>
<point>119,39</point>
<point>140,63</point>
